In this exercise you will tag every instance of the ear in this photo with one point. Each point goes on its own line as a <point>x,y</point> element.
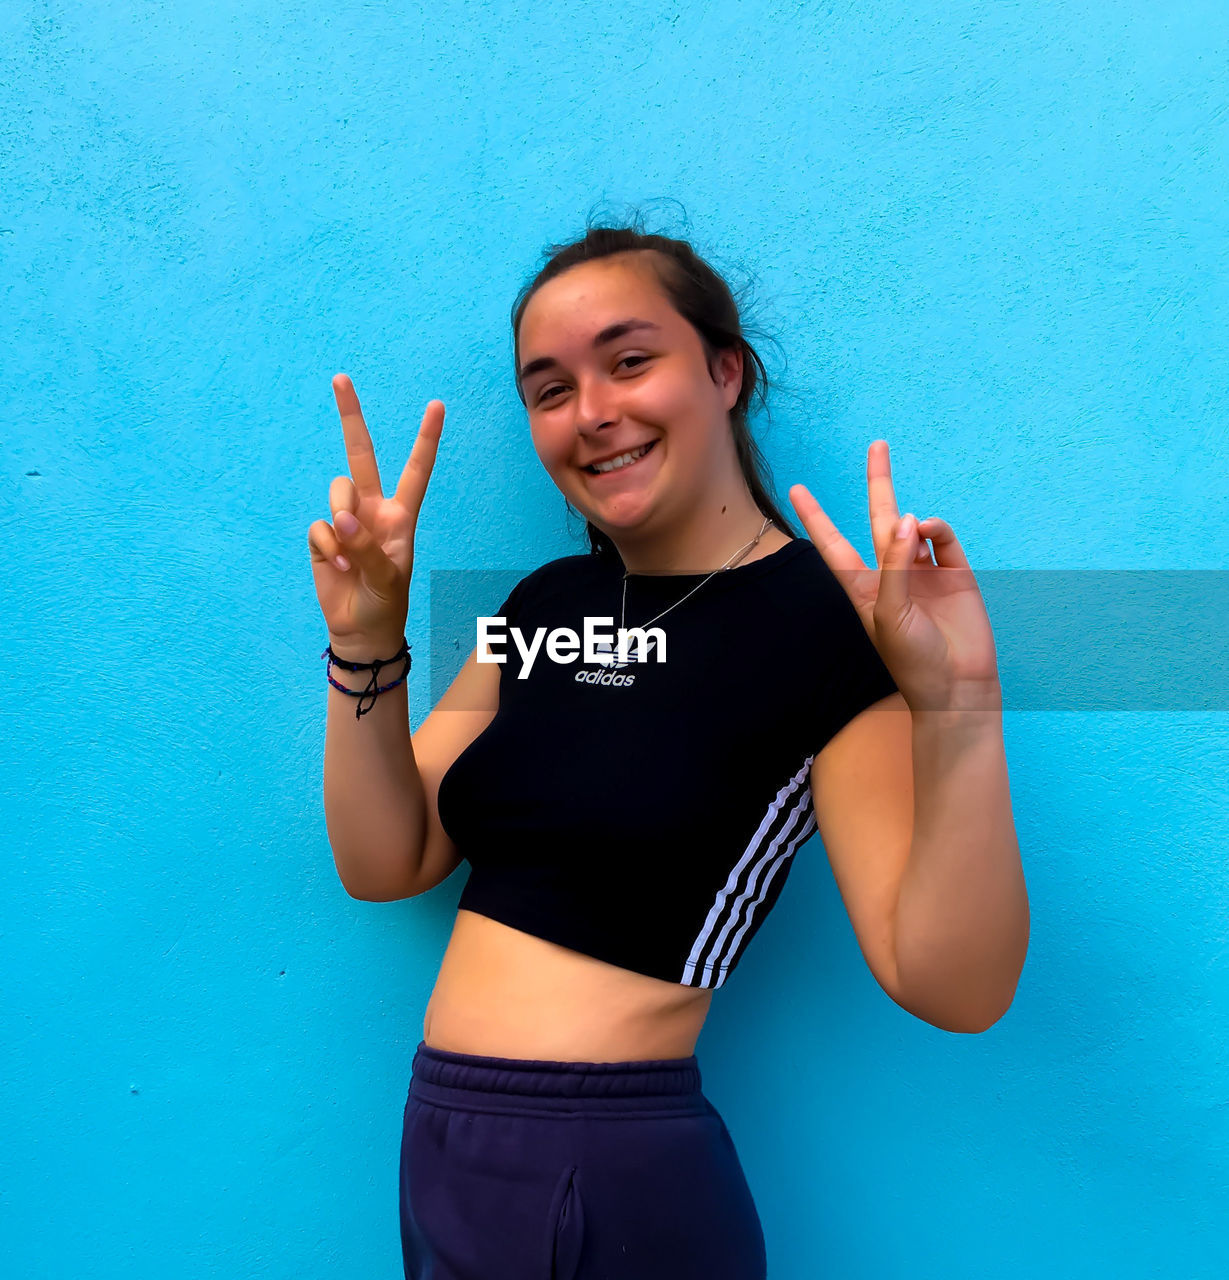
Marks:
<point>728,374</point>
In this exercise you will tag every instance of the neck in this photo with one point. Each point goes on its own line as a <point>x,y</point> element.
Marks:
<point>701,544</point>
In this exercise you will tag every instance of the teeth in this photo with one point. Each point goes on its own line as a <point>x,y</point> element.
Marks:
<point>623,460</point>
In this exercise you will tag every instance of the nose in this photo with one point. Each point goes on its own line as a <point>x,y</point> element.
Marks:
<point>593,407</point>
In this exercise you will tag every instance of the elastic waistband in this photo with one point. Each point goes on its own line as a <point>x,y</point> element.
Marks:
<point>445,1077</point>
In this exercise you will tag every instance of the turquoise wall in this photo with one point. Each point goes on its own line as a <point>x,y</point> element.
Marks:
<point>993,234</point>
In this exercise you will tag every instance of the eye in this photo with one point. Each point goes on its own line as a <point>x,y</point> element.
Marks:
<point>547,392</point>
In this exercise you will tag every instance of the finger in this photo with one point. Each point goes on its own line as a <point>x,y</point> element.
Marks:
<point>362,548</point>
<point>359,450</point>
<point>412,487</point>
<point>322,544</point>
<point>922,555</point>
<point>892,603</point>
<point>881,497</point>
<point>838,553</point>
<point>343,496</point>
<point>948,551</point>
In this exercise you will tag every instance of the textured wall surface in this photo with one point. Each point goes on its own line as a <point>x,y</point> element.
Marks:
<point>993,234</point>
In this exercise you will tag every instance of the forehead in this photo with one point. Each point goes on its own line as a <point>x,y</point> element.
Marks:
<point>586,298</point>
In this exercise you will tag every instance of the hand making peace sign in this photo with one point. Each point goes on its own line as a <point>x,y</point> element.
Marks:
<point>925,617</point>
<point>362,562</point>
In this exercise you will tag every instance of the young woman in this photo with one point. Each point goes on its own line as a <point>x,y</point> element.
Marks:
<point>630,815</point>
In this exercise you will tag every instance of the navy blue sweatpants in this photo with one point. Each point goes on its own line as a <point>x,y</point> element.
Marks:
<point>517,1169</point>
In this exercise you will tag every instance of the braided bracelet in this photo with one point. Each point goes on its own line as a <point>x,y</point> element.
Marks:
<point>371,689</point>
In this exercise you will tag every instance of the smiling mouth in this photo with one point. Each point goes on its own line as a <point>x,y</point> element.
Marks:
<point>622,462</point>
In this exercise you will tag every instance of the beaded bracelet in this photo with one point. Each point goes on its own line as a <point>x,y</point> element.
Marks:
<point>374,668</point>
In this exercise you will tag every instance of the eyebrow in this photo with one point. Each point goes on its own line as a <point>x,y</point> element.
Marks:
<point>603,336</point>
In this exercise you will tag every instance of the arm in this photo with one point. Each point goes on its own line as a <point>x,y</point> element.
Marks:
<point>374,806</point>
<point>916,822</point>
<point>962,919</point>
<point>380,785</point>
<point>952,942</point>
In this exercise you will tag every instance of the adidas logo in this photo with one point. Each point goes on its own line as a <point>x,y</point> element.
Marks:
<point>605,677</point>
<point>608,656</point>
<point>563,645</point>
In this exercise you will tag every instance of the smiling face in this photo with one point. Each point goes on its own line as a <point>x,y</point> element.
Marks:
<point>607,367</point>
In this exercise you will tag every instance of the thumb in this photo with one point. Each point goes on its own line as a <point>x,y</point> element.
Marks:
<point>363,550</point>
<point>892,603</point>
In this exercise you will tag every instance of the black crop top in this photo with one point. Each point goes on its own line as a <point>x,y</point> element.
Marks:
<point>648,815</point>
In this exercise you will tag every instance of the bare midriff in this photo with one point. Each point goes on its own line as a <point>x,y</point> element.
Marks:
<point>503,993</point>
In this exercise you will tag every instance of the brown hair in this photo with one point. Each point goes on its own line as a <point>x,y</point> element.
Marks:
<point>702,297</point>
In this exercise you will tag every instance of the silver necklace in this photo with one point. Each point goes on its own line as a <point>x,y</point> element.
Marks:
<point>729,564</point>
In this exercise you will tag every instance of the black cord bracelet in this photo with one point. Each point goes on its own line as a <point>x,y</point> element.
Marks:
<point>372,690</point>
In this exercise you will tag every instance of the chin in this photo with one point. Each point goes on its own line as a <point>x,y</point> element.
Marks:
<point>621,520</point>
<point>621,511</point>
